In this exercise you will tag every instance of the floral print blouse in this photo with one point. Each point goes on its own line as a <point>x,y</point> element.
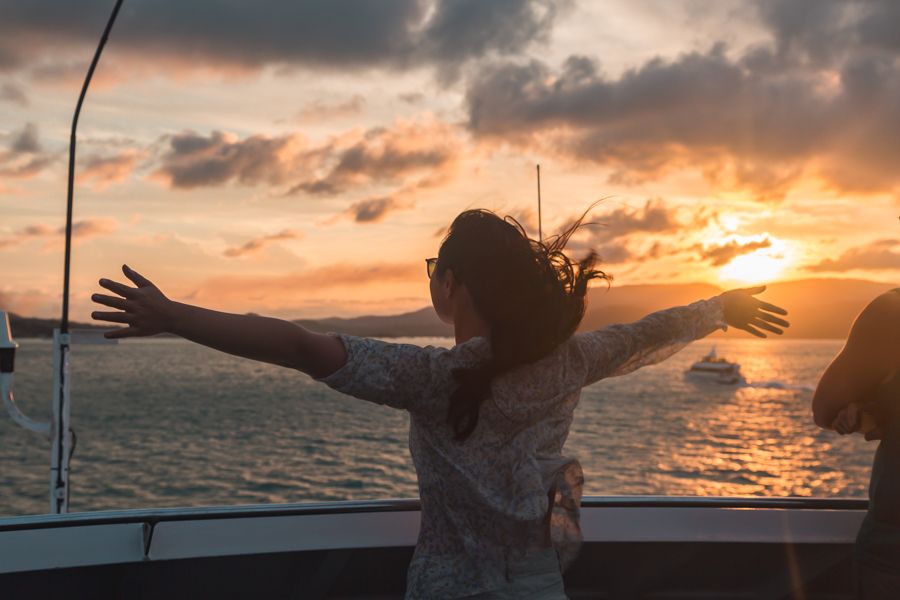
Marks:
<point>486,500</point>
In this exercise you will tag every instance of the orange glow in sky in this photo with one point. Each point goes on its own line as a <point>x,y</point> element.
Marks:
<point>258,161</point>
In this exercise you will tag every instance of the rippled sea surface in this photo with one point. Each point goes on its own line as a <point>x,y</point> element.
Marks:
<point>163,422</point>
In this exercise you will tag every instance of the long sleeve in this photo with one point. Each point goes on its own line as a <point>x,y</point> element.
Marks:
<point>622,348</point>
<point>396,375</point>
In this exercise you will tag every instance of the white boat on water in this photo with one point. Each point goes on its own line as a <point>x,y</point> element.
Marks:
<point>712,368</point>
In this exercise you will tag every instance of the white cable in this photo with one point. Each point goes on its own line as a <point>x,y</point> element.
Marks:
<point>6,380</point>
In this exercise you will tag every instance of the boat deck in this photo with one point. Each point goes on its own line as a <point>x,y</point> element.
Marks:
<point>635,547</point>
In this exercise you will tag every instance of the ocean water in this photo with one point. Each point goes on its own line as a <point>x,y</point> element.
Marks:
<point>163,422</point>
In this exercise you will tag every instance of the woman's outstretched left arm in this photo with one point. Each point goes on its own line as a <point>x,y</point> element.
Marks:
<point>145,310</point>
<point>621,348</point>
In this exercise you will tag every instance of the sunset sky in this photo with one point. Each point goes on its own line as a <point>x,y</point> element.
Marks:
<point>301,159</point>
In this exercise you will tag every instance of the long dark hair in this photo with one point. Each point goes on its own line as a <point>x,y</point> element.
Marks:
<point>531,294</point>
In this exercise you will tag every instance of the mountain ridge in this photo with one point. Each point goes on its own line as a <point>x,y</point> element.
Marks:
<point>819,308</point>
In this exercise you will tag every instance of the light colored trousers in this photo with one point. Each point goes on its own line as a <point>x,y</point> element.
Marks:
<point>536,577</point>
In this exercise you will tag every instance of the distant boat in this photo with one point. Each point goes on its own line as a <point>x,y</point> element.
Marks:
<point>715,369</point>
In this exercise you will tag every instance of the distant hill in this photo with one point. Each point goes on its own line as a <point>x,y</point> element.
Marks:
<point>423,322</point>
<point>623,304</point>
<point>819,308</point>
<point>30,327</point>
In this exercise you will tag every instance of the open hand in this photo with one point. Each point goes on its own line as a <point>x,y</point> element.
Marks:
<point>743,311</point>
<point>144,308</point>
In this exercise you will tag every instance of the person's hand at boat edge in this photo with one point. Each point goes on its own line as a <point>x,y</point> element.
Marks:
<point>865,419</point>
<point>750,314</point>
<point>144,309</point>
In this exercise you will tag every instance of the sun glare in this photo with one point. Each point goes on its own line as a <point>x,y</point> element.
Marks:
<point>756,267</point>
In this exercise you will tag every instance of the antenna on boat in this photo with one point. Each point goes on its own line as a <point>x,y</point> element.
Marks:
<point>61,436</point>
<point>540,229</point>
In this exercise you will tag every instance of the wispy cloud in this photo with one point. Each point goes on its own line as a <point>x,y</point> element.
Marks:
<point>319,111</point>
<point>875,256</point>
<point>14,94</point>
<point>627,234</point>
<point>721,254</point>
<point>103,171</point>
<point>654,217</point>
<point>53,236</point>
<point>256,244</point>
<point>373,210</point>
<point>25,157</point>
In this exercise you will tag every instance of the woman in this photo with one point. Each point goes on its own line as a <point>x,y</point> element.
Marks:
<point>488,417</point>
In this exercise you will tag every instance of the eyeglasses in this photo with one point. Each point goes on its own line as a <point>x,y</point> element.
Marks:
<point>430,266</point>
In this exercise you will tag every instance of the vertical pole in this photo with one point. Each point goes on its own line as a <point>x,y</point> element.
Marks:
<point>60,433</point>
<point>540,228</point>
<point>70,195</point>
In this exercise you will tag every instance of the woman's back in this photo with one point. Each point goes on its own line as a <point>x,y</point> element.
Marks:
<point>485,499</point>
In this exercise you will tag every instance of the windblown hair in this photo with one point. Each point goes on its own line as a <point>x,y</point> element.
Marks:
<point>530,293</point>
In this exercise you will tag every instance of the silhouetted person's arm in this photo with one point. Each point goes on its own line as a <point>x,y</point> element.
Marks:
<point>147,311</point>
<point>871,354</point>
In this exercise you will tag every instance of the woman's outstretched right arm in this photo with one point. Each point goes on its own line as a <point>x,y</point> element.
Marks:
<point>147,311</point>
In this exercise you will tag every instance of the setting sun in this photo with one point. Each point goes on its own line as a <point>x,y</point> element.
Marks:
<point>756,267</point>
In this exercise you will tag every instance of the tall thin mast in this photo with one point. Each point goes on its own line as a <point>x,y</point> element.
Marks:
<point>540,228</point>
<point>64,327</point>
<point>61,433</point>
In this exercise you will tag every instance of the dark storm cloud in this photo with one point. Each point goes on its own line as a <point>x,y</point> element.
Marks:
<point>382,155</point>
<point>194,160</point>
<point>822,99</point>
<point>827,31</point>
<point>417,153</point>
<point>351,33</point>
<point>878,255</point>
<point>808,29</point>
<point>461,29</point>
